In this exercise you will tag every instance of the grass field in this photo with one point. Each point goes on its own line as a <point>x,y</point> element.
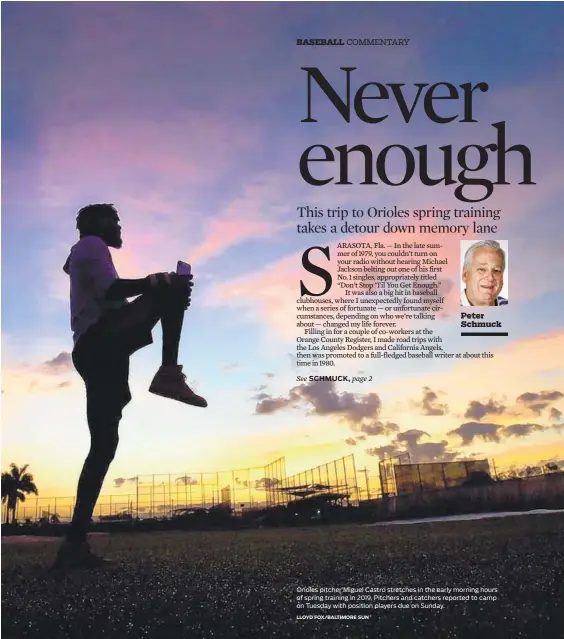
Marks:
<point>243,584</point>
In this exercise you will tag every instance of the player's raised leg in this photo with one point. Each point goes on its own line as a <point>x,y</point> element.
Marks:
<point>171,303</point>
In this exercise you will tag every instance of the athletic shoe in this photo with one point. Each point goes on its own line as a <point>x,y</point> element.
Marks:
<point>77,556</point>
<point>170,382</point>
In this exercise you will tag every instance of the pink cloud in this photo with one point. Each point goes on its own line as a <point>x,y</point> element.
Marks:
<point>153,172</point>
<point>261,210</point>
<point>54,376</point>
<point>157,163</point>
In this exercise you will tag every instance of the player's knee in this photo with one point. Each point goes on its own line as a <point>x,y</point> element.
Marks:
<point>111,451</point>
<point>104,437</point>
<point>167,298</point>
<point>104,414</point>
<point>106,447</point>
<point>113,441</point>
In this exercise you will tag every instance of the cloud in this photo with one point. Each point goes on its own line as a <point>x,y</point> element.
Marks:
<point>157,171</point>
<point>353,441</point>
<point>265,483</point>
<point>521,430</point>
<point>470,431</point>
<point>323,399</point>
<point>429,405</point>
<point>120,481</point>
<point>382,451</point>
<point>432,452</point>
<point>426,451</point>
<point>260,390</point>
<point>50,376</point>
<point>537,402</point>
<point>378,428</point>
<point>268,405</point>
<point>59,364</point>
<point>232,366</point>
<point>258,213</point>
<point>489,432</point>
<point>409,442</point>
<point>267,296</point>
<point>124,152</point>
<point>186,481</point>
<point>477,410</point>
<point>411,437</point>
<point>326,401</point>
<point>555,414</point>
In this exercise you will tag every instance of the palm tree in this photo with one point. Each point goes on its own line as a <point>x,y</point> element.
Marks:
<point>15,484</point>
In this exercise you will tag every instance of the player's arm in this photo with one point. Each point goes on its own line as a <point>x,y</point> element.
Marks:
<point>122,289</point>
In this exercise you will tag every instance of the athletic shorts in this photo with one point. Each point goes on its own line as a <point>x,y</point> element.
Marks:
<point>101,355</point>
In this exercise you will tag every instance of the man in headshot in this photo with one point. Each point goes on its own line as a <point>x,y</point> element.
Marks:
<point>107,330</point>
<point>482,274</point>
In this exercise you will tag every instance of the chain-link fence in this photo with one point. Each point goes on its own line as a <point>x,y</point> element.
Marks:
<point>387,467</point>
<point>338,481</point>
<point>275,475</point>
<point>162,495</point>
<point>335,481</point>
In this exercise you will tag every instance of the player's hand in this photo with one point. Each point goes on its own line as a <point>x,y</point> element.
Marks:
<point>159,279</point>
<point>181,283</point>
<point>171,279</point>
<point>184,283</point>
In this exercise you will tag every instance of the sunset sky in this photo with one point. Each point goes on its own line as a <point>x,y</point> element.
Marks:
<point>187,117</point>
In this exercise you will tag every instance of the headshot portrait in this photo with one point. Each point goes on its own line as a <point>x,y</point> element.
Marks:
<point>484,277</point>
